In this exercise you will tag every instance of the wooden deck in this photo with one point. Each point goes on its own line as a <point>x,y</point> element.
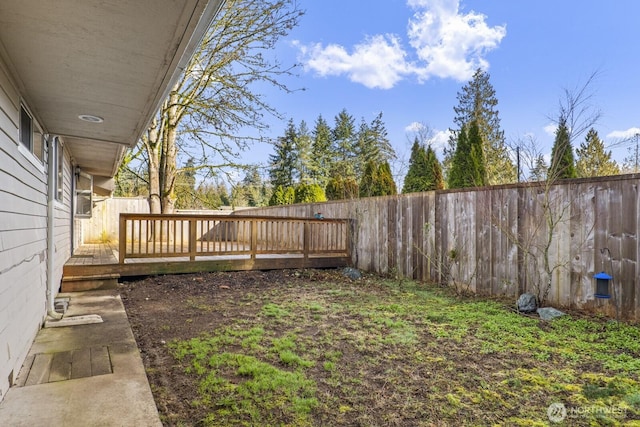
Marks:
<point>102,259</point>
<point>173,244</point>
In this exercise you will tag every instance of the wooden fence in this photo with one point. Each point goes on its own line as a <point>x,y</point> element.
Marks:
<point>198,236</point>
<point>504,240</point>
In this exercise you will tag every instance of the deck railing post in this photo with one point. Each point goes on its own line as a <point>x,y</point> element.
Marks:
<point>122,239</point>
<point>253,243</point>
<point>193,239</point>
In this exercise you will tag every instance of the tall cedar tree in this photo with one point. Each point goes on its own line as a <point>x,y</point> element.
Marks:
<point>344,138</point>
<point>321,153</point>
<point>434,171</point>
<point>425,172</point>
<point>477,102</point>
<point>467,164</point>
<point>283,162</point>
<point>303,146</point>
<point>592,159</point>
<point>341,188</point>
<point>377,180</point>
<point>343,183</point>
<point>562,162</point>
<point>416,179</point>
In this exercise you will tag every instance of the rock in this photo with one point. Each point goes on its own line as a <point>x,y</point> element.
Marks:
<point>549,313</point>
<point>527,303</point>
<point>352,273</point>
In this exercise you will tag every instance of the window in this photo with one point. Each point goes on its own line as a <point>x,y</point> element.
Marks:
<point>59,157</point>
<point>84,190</point>
<point>38,145</point>
<point>30,135</point>
<point>26,129</point>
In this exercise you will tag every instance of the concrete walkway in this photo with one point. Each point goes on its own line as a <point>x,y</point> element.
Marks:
<point>83,375</point>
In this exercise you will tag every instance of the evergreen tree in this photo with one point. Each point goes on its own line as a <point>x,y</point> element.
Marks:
<point>425,171</point>
<point>372,144</point>
<point>366,149</point>
<point>562,162</point>
<point>592,159</point>
<point>341,188</point>
<point>477,102</point>
<point>289,196</point>
<point>185,186</point>
<point>304,164</point>
<point>252,190</point>
<point>344,145</point>
<point>434,171</point>
<point>416,179</point>
<point>284,161</point>
<point>467,164</point>
<point>309,193</point>
<point>377,180</point>
<point>277,197</point>
<point>282,196</point>
<point>478,170</point>
<point>131,181</point>
<point>321,155</point>
<point>540,169</point>
<point>212,196</point>
<point>385,178</point>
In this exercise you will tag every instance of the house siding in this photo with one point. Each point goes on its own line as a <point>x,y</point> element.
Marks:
<point>23,237</point>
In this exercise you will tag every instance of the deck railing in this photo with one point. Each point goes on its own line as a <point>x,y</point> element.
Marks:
<point>192,236</point>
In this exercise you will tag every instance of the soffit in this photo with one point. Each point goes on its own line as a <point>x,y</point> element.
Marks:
<point>113,59</point>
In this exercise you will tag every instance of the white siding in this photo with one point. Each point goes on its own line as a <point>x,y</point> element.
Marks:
<point>23,233</point>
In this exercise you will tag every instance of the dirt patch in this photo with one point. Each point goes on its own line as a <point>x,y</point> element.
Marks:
<point>368,352</point>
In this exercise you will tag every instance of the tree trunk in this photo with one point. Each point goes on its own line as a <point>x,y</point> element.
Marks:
<point>169,155</point>
<point>151,143</point>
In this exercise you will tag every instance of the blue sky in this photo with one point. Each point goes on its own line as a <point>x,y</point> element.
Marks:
<point>409,59</point>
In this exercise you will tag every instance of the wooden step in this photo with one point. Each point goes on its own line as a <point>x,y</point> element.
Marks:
<point>89,283</point>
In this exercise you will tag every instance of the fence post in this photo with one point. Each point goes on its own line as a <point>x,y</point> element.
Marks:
<point>306,239</point>
<point>122,238</point>
<point>193,240</point>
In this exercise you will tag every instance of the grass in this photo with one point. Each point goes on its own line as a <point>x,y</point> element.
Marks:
<point>385,352</point>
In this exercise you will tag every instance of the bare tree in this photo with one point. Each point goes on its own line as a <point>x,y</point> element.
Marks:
<point>216,98</point>
<point>577,109</point>
<point>578,114</point>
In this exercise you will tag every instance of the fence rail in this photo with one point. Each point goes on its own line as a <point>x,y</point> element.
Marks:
<point>199,236</point>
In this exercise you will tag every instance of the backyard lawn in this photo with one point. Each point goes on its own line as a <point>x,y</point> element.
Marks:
<point>313,347</point>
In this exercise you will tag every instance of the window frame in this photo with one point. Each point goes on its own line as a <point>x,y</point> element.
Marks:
<point>83,194</point>
<point>34,146</point>
<point>25,128</point>
<point>58,157</point>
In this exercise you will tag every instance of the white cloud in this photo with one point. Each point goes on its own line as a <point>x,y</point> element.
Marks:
<point>446,44</point>
<point>413,127</point>
<point>440,140</point>
<point>623,134</point>
<point>451,44</point>
<point>378,62</point>
<point>550,129</point>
